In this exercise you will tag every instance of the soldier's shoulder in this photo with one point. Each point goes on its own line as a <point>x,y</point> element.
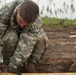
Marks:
<point>11,3</point>
<point>38,23</point>
<point>6,11</point>
<point>36,26</point>
<point>7,6</point>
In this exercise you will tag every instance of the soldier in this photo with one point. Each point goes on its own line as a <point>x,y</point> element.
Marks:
<point>22,36</point>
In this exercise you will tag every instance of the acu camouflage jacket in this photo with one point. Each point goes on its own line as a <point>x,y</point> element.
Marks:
<point>28,37</point>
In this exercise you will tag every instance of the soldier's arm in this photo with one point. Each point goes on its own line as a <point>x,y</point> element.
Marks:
<point>25,46</point>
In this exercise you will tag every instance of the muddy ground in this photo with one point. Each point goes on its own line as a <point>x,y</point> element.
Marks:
<point>60,56</point>
<point>62,43</point>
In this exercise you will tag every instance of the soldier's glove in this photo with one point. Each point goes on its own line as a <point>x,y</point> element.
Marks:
<point>13,70</point>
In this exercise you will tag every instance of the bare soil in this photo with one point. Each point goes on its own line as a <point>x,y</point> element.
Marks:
<point>62,43</point>
<point>60,55</point>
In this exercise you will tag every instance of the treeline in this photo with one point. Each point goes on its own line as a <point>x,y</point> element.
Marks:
<point>58,11</point>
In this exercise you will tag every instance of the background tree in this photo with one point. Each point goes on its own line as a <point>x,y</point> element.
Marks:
<point>56,13</point>
<point>72,8</point>
<point>42,10</point>
<point>67,10</point>
<point>54,6</point>
<point>51,12</point>
<point>49,9</point>
<point>64,6</point>
<point>60,12</point>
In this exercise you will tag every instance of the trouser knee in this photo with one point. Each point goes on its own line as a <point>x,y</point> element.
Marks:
<point>8,49</point>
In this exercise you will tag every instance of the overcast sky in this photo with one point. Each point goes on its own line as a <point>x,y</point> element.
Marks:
<point>58,3</point>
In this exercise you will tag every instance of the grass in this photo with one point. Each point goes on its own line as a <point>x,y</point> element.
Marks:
<point>56,22</point>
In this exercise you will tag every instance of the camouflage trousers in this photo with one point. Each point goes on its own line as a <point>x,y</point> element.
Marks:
<point>11,39</point>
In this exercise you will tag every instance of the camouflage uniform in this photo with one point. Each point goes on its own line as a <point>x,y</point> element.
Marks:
<point>19,44</point>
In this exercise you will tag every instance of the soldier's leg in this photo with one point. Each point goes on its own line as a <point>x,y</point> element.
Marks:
<point>36,55</point>
<point>10,41</point>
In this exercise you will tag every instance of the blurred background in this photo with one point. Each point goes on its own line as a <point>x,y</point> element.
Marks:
<point>53,8</point>
<point>54,12</point>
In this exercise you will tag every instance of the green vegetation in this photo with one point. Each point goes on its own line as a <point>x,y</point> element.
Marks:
<point>58,22</point>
